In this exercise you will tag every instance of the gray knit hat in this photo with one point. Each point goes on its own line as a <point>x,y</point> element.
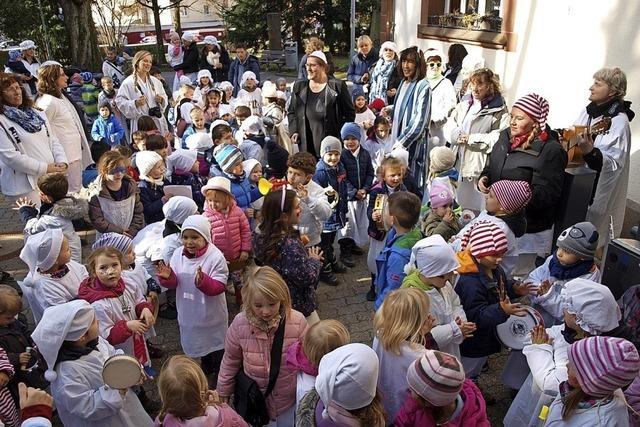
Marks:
<point>580,239</point>
<point>330,143</point>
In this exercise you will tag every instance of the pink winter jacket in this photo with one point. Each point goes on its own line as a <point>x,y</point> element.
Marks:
<point>474,411</point>
<point>220,416</point>
<point>247,347</point>
<point>230,232</point>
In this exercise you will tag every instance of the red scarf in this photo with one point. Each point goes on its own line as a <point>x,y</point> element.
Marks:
<point>517,141</point>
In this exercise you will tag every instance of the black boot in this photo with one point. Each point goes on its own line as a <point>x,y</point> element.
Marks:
<point>371,295</point>
<point>357,250</point>
<point>327,276</point>
<point>346,254</point>
<point>338,267</point>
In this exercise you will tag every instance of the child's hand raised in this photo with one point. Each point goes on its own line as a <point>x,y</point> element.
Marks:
<point>147,317</point>
<point>467,328</point>
<point>523,289</point>
<point>539,335</point>
<point>137,326</point>
<point>4,379</point>
<point>163,271</point>
<point>543,288</point>
<point>302,191</point>
<point>512,309</point>
<point>23,201</point>
<point>315,253</point>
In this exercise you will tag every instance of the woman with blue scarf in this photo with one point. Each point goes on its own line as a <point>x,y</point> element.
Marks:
<point>28,147</point>
<point>384,76</point>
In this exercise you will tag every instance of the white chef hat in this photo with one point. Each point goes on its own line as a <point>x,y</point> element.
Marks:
<point>433,257</point>
<point>179,208</point>
<point>59,323</point>
<point>41,250</point>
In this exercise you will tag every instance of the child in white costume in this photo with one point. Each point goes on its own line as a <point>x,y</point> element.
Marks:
<point>53,278</point>
<point>431,269</point>
<point>67,337</point>
<point>589,309</point>
<point>198,271</point>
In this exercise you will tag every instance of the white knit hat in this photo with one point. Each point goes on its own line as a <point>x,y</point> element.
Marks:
<point>182,159</point>
<point>199,224</point>
<point>41,250</point>
<point>199,141</point>
<point>348,377</point>
<point>146,160</point>
<point>593,304</point>
<point>433,257</point>
<point>59,323</point>
<point>388,45</point>
<point>269,89</point>
<point>210,40</point>
<point>179,208</point>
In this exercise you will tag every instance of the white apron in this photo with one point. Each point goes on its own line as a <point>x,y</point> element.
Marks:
<point>526,406</point>
<point>203,319</point>
<point>118,213</point>
<point>358,222</point>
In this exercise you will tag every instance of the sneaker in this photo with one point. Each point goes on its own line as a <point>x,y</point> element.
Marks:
<point>338,267</point>
<point>155,351</point>
<point>371,295</point>
<point>357,250</point>
<point>347,259</point>
<point>168,312</point>
<point>329,278</point>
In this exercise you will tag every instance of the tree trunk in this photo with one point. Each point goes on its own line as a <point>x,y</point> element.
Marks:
<point>159,57</point>
<point>177,21</point>
<point>83,41</point>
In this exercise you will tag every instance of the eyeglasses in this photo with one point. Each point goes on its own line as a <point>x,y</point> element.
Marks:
<point>434,64</point>
<point>119,169</point>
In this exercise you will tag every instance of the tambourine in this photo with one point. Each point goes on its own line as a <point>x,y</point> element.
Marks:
<point>333,196</point>
<point>381,206</point>
<point>122,371</point>
<point>514,333</point>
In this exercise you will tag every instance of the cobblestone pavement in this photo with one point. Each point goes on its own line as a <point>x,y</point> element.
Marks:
<point>346,303</point>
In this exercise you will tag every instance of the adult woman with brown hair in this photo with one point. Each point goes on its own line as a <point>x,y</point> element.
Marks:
<point>65,122</point>
<point>319,106</point>
<point>141,94</point>
<point>472,129</point>
<point>28,147</point>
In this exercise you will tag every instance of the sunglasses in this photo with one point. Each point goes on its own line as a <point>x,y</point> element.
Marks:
<point>434,64</point>
<point>119,169</point>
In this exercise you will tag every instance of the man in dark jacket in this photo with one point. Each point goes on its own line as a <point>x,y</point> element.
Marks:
<point>243,62</point>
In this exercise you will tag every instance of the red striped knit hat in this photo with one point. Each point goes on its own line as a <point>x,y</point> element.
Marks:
<point>484,239</point>
<point>535,107</point>
<point>437,377</point>
<point>604,364</point>
<point>512,195</point>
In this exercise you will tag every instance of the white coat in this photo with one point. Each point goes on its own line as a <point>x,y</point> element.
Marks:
<point>43,291</point>
<point>612,414</point>
<point>610,198</point>
<point>548,362</point>
<point>83,400</point>
<point>315,210</point>
<point>24,160</point>
<point>550,304</point>
<point>67,126</point>
<point>443,101</point>
<point>129,92</point>
<point>203,319</point>
<point>445,306</point>
<point>146,243</point>
<point>510,257</point>
<point>253,100</point>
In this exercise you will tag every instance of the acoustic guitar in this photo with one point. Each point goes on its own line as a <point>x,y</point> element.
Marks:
<point>569,139</point>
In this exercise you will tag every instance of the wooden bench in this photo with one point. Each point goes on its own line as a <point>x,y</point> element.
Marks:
<point>273,57</point>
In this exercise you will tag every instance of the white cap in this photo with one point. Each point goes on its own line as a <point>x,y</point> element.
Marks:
<point>59,323</point>
<point>182,159</point>
<point>225,85</point>
<point>318,54</point>
<point>188,36</point>
<point>246,76</point>
<point>248,165</point>
<point>41,250</point>
<point>210,40</point>
<point>179,208</point>
<point>400,154</point>
<point>429,53</point>
<point>147,160</point>
<point>217,183</point>
<point>593,304</point>
<point>252,126</point>
<point>27,44</point>
<point>199,224</point>
<point>222,110</point>
<point>198,141</point>
<point>432,257</point>
<point>204,73</point>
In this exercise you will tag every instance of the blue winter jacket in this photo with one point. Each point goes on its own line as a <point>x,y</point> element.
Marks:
<point>237,69</point>
<point>479,297</point>
<point>360,173</point>
<point>391,261</point>
<point>335,177</point>
<point>243,191</point>
<point>108,129</point>
<point>360,65</point>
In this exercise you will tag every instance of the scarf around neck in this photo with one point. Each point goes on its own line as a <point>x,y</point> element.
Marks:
<point>610,109</point>
<point>567,272</point>
<point>27,118</point>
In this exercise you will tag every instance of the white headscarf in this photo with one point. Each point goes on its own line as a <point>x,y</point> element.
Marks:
<point>433,257</point>
<point>59,323</point>
<point>248,165</point>
<point>179,208</point>
<point>199,141</point>
<point>41,250</point>
<point>593,304</point>
<point>347,378</point>
<point>182,159</point>
<point>199,224</point>
<point>248,75</point>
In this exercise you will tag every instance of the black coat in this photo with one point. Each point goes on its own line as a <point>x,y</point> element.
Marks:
<point>218,74</point>
<point>541,165</point>
<point>151,197</point>
<point>339,110</point>
<point>190,60</point>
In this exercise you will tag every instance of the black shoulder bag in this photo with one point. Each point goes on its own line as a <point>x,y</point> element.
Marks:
<point>248,400</point>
